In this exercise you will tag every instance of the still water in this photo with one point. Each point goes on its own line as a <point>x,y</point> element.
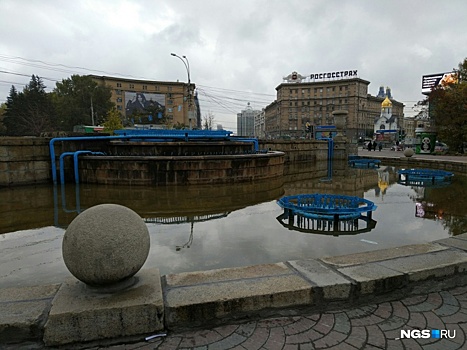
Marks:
<point>209,227</point>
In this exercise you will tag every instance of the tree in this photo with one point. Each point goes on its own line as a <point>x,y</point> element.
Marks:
<point>448,110</point>
<point>2,114</point>
<point>29,112</point>
<point>208,121</point>
<point>113,121</point>
<point>76,98</point>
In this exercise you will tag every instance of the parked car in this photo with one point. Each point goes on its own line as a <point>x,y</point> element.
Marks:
<point>441,147</point>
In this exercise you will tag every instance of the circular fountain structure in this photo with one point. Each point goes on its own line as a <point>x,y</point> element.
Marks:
<point>175,157</point>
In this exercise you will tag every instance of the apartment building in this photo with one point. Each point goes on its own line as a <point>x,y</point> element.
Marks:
<point>313,99</point>
<point>171,103</point>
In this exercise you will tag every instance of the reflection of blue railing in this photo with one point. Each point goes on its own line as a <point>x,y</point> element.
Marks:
<point>327,206</point>
<point>363,163</point>
<point>424,177</point>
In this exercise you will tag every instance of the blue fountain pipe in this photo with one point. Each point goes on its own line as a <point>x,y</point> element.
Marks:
<point>75,161</point>
<point>79,138</point>
<point>255,142</point>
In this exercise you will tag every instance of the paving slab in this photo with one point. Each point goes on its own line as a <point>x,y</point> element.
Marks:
<point>374,278</point>
<point>203,297</point>
<point>80,314</point>
<point>454,242</point>
<point>433,265</point>
<point>23,312</point>
<point>333,285</point>
<point>383,254</point>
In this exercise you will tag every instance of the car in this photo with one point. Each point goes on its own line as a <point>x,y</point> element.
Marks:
<point>441,147</point>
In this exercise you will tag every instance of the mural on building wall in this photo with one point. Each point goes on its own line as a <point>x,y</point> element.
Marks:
<point>144,103</point>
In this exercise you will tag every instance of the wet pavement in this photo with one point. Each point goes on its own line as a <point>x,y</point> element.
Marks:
<point>373,326</point>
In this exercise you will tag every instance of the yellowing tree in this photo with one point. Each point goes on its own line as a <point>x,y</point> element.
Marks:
<point>112,121</point>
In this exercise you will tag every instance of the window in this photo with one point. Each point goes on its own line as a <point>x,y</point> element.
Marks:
<point>169,88</point>
<point>156,88</point>
<point>132,86</point>
<point>119,99</point>
<point>145,87</point>
<point>118,92</point>
<point>119,85</point>
<point>119,107</point>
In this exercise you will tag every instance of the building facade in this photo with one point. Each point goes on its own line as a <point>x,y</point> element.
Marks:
<point>153,102</point>
<point>246,121</point>
<point>300,102</point>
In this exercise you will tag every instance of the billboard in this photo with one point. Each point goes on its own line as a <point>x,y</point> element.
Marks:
<point>429,82</point>
<point>138,102</point>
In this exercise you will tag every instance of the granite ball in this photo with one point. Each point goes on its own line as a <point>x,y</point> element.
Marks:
<point>408,152</point>
<point>105,245</point>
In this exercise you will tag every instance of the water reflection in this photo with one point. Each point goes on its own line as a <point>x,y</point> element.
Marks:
<point>208,227</point>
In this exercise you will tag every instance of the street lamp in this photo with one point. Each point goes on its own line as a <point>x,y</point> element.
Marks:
<point>92,106</point>
<point>184,59</point>
<point>186,63</point>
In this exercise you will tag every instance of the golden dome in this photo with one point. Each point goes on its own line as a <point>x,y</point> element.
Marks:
<point>386,103</point>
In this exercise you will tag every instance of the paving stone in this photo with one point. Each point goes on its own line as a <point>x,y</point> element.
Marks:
<point>196,304</point>
<point>434,265</point>
<point>374,278</point>
<point>334,285</point>
<point>23,312</point>
<point>454,242</point>
<point>383,254</point>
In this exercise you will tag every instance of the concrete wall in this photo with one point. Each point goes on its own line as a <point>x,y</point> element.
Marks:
<point>24,160</point>
<point>187,170</point>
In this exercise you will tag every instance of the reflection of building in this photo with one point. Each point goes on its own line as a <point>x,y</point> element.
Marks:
<point>314,99</point>
<point>383,181</point>
<point>175,98</point>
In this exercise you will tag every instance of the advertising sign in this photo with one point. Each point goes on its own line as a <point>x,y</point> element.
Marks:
<point>429,82</point>
<point>141,102</point>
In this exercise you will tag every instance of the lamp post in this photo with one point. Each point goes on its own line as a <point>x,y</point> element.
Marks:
<point>184,59</point>
<point>92,106</point>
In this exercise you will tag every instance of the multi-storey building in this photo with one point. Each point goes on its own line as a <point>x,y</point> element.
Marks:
<point>246,121</point>
<point>174,102</point>
<point>313,101</point>
<point>260,126</point>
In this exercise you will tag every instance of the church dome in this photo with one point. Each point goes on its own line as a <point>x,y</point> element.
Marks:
<point>386,103</point>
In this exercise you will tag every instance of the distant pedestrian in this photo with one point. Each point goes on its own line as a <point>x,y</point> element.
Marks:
<point>374,145</point>
<point>380,146</point>
<point>369,144</point>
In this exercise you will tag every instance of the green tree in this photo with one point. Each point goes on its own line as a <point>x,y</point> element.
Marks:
<point>29,112</point>
<point>76,98</point>
<point>2,114</point>
<point>113,121</point>
<point>446,110</point>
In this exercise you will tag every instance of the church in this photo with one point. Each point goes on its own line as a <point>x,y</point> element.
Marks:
<point>386,123</point>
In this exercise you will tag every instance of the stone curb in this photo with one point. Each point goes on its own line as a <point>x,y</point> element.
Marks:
<point>216,297</point>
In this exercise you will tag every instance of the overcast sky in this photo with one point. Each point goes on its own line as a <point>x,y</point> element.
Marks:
<point>238,51</point>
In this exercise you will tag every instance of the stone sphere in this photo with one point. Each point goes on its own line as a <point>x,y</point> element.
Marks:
<point>408,152</point>
<point>105,245</point>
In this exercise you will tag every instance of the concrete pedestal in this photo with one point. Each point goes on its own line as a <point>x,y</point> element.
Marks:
<point>81,314</point>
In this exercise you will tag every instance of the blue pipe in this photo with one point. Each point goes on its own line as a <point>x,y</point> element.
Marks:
<point>255,142</point>
<point>75,161</point>
<point>80,138</point>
